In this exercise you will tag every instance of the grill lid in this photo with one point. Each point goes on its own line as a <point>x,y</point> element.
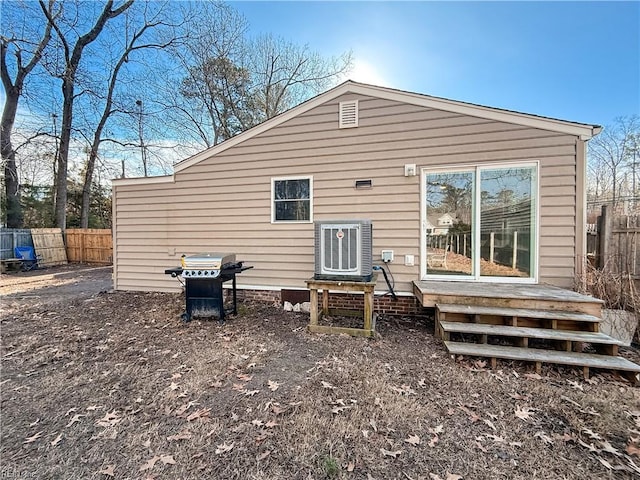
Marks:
<point>207,261</point>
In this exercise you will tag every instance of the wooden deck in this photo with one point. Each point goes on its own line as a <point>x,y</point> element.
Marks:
<point>513,295</point>
<point>497,321</point>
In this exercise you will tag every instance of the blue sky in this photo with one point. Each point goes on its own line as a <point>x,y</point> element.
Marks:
<point>576,61</point>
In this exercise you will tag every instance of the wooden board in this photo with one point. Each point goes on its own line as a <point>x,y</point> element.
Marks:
<point>546,356</point>
<point>49,246</point>
<point>542,333</point>
<point>517,312</point>
<point>355,332</point>
<point>542,297</point>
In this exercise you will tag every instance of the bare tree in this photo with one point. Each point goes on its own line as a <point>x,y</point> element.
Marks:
<point>209,105</point>
<point>72,57</point>
<point>135,44</point>
<point>19,48</point>
<point>233,83</point>
<point>286,74</point>
<point>611,155</point>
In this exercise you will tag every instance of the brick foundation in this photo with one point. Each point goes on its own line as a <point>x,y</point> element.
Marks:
<point>405,305</point>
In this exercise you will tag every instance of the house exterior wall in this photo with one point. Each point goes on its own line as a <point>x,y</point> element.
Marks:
<point>223,203</point>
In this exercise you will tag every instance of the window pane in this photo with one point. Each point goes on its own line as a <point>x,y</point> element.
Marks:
<point>448,223</point>
<point>297,189</point>
<point>280,188</point>
<point>292,210</point>
<point>506,221</point>
<point>291,189</point>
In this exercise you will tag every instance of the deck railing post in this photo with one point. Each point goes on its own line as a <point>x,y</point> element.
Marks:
<point>514,263</point>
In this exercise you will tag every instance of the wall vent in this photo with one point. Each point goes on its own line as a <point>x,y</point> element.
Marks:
<point>349,114</point>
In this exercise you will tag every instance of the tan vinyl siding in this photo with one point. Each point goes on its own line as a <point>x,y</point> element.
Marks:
<point>223,203</point>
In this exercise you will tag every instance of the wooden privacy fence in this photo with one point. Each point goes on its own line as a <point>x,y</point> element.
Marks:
<point>10,238</point>
<point>615,243</point>
<point>89,245</point>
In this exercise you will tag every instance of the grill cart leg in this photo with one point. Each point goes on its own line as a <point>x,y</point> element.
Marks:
<point>185,317</point>
<point>235,298</point>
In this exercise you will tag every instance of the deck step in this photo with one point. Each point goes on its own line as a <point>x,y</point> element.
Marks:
<point>528,332</point>
<point>516,312</point>
<point>543,356</point>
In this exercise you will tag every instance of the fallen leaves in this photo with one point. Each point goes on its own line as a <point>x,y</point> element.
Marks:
<point>413,440</point>
<point>273,386</point>
<point>110,419</point>
<point>263,455</point>
<point>184,435</point>
<point>544,437</point>
<point>76,418</point>
<point>524,413</point>
<point>223,448</point>
<point>607,447</point>
<point>404,390</point>
<point>390,453</point>
<point>472,415</point>
<point>109,470</point>
<point>56,440</point>
<point>633,450</point>
<point>34,437</point>
<point>201,413</point>
<point>149,464</point>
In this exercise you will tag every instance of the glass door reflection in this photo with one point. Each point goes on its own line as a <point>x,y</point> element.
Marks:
<point>448,223</point>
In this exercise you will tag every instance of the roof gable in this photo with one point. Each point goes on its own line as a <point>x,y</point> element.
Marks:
<point>584,131</point>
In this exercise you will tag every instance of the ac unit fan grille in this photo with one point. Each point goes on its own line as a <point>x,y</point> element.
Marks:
<point>341,249</point>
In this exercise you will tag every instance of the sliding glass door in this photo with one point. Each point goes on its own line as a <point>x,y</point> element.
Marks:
<point>479,223</point>
<point>447,223</point>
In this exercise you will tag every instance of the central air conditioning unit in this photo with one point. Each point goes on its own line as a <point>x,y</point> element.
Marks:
<point>343,250</point>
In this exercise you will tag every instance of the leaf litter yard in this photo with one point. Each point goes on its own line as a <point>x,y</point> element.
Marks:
<point>112,385</point>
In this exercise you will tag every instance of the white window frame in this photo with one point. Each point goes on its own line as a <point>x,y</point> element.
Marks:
<point>476,168</point>
<point>273,199</point>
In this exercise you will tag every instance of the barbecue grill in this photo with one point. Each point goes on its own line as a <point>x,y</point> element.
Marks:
<point>203,275</point>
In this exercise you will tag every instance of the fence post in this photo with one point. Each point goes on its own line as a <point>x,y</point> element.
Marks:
<point>604,235</point>
<point>514,262</point>
<point>491,245</point>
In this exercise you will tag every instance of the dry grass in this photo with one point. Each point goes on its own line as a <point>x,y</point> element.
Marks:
<point>116,383</point>
<point>617,290</point>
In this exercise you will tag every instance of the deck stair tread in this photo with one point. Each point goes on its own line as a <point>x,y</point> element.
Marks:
<point>516,312</point>
<point>544,356</point>
<point>541,333</point>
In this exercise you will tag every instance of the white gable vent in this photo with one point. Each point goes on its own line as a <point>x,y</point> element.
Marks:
<point>349,114</point>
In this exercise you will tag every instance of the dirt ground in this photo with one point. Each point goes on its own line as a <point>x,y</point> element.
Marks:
<point>102,384</point>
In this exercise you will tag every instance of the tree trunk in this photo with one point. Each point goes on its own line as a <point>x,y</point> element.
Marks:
<point>86,188</point>
<point>12,184</point>
<point>63,152</point>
